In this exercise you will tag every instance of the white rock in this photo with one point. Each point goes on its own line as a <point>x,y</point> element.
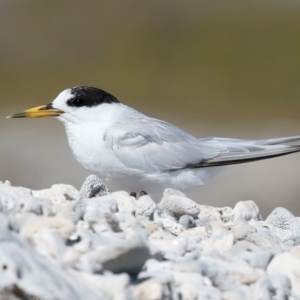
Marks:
<point>248,210</point>
<point>49,243</point>
<point>211,213</point>
<point>162,271</point>
<point>198,232</point>
<point>285,225</point>
<point>22,267</point>
<point>223,242</point>
<point>47,209</point>
<point>104,203</point>
<point>226,214</point>
<point>88,263</point>
<point>101,221</point>
<point>126,220</point>
<point>289,265</point>
<point>150,289</point>
<point>188,291</point>
<point>63,226</point>
<point>187,222</point>
<point>259,259</point>
<point>167,223</point>
<point>111,286</point>
<point>72,210</point>
<point>70,257</point>
<point>58,194</point>
<point>167,244</point>
<point>93,187</point>
<point>272,287</point>
<point>125,201</point>
<point>237,271</point>
<point>177,206</point>
<point>17,200</point>
<point>145,208</point>
<point>194,279</point>
<point>174,250</point>
<point>210,293</point>
<point>170,192</point>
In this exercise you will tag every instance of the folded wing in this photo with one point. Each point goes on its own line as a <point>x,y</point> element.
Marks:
<point>151,145</point>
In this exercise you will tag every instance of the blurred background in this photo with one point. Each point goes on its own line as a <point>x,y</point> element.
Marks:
<point>214,68</point>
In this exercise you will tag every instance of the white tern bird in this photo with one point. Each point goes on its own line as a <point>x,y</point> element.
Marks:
<point>132,151</point>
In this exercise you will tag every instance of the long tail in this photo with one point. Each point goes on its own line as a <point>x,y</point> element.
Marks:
<point>242,151</point>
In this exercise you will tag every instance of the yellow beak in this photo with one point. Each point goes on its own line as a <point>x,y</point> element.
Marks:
<point>38,112</point>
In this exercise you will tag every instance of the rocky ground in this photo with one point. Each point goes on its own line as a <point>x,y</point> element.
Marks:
<point>61,243</point>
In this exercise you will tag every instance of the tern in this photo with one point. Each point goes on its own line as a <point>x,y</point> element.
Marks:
<point>134,152</point>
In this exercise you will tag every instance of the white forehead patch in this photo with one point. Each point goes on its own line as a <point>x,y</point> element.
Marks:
<point>62,98</point>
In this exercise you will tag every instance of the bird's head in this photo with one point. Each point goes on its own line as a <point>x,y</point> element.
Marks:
<point>71,104</point>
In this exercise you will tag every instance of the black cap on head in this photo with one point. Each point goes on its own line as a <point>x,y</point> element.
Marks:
<point>89,97</point>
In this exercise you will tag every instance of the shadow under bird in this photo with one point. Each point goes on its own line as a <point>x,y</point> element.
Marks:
<point>134,152</point>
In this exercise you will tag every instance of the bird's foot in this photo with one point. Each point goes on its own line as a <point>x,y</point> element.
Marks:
<point>134,194</point>
<point>143,193</point>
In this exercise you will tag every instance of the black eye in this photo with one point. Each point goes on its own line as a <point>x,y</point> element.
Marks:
<point>77,102</point>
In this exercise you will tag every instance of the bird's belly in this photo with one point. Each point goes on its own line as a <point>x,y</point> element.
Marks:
<point>183,180</point>
<point>102,164</point>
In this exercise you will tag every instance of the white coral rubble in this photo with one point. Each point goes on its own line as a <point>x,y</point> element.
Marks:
<point>61,243</point>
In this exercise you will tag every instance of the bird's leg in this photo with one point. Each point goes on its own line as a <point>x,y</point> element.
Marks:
<point>134,194</point>
<point>143,193</point>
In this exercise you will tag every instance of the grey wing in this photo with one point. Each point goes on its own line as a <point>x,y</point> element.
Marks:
<point>151,145</point>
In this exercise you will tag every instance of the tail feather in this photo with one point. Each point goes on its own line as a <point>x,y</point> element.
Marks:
<point>277,141</point>
<point>241,151</point>
<point>247,157</point>
<point>273,141</point>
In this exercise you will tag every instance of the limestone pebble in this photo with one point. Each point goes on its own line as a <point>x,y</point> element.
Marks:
<point>285,225</point>
<point>93,187</point>
<point>60,243</point>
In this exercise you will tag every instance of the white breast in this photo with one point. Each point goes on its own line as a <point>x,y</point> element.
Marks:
<point>86,133</point>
